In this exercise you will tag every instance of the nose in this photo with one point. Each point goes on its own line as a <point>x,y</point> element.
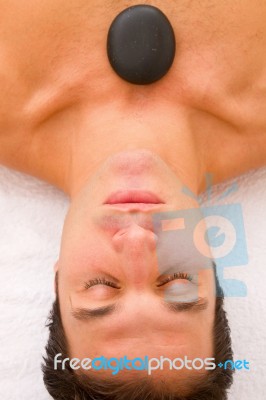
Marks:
<point>135,240</point>
<point>137,247</point>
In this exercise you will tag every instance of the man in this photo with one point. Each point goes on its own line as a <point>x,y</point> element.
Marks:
<point>122,152</point>
<point>115,299</point>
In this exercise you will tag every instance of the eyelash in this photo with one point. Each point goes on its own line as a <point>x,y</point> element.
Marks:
<point>176,276</point>
<point>170,278</point>
<point>100,281</point>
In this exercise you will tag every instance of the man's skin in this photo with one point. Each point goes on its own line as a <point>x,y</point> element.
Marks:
<point>113,264</point>
<point>63,110</point>
<point>67,118</point>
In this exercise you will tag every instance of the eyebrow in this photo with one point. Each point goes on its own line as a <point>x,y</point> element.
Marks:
<point>200,304</point>
<point>86,314</point>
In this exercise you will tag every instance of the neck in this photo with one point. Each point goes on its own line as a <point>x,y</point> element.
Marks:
<point>113,130</point>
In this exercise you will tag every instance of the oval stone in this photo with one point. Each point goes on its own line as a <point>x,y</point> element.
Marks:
<point>141,44</point>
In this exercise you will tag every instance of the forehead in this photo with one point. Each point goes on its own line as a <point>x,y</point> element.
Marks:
<point>137,331</point>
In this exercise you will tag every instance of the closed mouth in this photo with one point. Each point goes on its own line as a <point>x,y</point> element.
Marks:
<point>127,197</point>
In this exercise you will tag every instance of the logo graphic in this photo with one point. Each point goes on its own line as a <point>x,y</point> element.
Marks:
<point>145,364</point>
<point>235,365</point>
<point>192,239</point>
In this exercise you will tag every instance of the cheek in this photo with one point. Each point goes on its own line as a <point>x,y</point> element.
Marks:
<point>87,250</point>
<point>85,261</point>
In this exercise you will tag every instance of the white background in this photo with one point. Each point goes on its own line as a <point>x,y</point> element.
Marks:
<point>31,220</point>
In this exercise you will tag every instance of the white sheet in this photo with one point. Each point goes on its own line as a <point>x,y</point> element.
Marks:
<point>31,219</point>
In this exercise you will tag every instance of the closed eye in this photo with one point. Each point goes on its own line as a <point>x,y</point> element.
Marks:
<point>100,281</point>
<point>176,276</point>
<point>169,278</point>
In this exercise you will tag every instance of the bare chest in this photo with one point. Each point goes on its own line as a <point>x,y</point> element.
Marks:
<point>54,63</point>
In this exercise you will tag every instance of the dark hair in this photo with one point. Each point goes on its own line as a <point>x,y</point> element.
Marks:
<point>66,385</point>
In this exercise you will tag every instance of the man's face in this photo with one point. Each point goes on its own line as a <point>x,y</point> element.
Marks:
<point>115,298</point>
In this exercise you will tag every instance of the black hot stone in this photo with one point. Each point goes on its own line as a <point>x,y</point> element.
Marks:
<point>141,44</point>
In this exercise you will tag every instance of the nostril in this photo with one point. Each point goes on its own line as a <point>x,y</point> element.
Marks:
<point>135,238</point>
<point>121,233</point>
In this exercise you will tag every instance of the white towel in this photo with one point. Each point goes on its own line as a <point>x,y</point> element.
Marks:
<point>31,220</point>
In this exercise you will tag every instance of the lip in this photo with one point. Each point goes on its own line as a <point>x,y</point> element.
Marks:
<point>134,207</point>
<point>128,198</point>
